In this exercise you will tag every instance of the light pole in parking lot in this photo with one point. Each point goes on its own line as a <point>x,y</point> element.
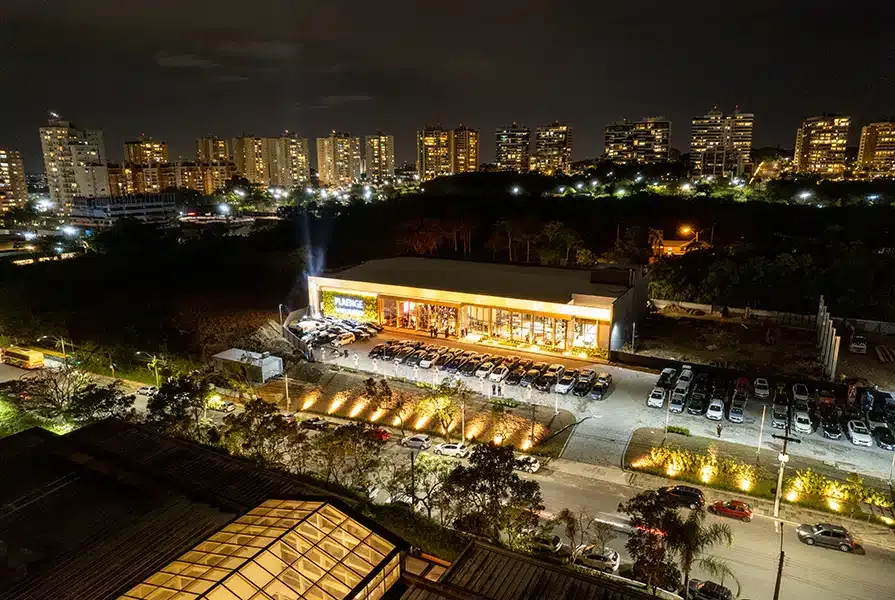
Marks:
<point>764,409</point>
<point>152,364</point>
<point>667,416</point>
<point>784,458</point>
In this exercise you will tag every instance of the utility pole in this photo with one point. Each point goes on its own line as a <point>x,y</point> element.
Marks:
<point>779,566</point>
<point>286,381</point>
<point>412,482</point>
<point>784,458</point>
<point>760,434</point>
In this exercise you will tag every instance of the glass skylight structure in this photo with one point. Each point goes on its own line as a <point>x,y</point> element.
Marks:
<point>281,550</point>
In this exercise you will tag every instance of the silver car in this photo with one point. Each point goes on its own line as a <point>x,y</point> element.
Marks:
<point>419,441</point>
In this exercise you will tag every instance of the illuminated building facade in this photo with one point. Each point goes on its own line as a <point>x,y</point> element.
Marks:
<point>146,151</point>
<point>571,311</point>
<point>553,149</point>
<point>338,160</point>
<point>820,145</point>
<point>641,142</point>
<point>464,150</point>
<point>95,181</point>
<point>512,148</point>
<point>876,154</point>
<point>721,145</point>
<point>433,150</point>
<point>212,149</point>
<point>272,161</point>
<point>13,187</point>
<point>65,147</point>
<point>379,159</point>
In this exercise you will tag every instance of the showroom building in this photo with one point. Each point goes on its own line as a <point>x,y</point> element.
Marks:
<point>583,311</point>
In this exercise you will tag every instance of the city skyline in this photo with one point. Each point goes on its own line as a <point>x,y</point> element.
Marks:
<point>309,68</point>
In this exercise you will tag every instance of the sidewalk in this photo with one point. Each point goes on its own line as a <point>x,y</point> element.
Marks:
<point>867,533</point>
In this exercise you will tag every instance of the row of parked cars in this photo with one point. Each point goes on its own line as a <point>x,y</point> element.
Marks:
<point>332,331</point>
<point>505,370</point>
<point>699,395</point>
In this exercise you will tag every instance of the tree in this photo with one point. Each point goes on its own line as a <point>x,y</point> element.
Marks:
<point>431,475</point>
<point>653,560</point>
<point>582,530</point>
<point>349,455</point>
<point>179,405</point>
<point>496,500</point>
<point>73,396</point>
<point>690,539</point>
<point>440,404</point>
<point>382,397</point>
<point>262,433</point>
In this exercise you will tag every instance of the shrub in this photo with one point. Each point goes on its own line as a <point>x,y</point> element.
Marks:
<point>684,431</point>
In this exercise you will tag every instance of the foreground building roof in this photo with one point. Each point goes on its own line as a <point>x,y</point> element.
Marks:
<point>92,514</point>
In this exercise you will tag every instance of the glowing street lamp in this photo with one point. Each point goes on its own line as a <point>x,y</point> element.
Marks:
<point>805,194</point>
<point>224,208</point>
<point>686,187</point>
<point>515,190</point>
<point>240,192</point>
<point>579,186</point>
<point>686,229</point>
<point>69,231</point>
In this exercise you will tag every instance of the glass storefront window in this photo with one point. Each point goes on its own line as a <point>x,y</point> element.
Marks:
<point>585,333</point>
<point>477,318</point>
<point>389,312</point>
<point>501,328</point>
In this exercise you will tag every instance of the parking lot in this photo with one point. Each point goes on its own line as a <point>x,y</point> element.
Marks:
<point>605,425</point>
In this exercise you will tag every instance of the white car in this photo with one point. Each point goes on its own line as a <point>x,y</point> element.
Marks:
<point>858,344</point>
<point>761,389</point>
<point>656,398</point>
<point>605,560</point>
<point>800,392</point>
<point>678,399</point>
<point>737,411</point>
<point>427,360</point>
<point>801,422</point>
<point>484,370</point>
<point>452,449</point>
<point>685,378</point>
<point>557,370</point>
<point>499,374</point>
<point>566,382</point>
<point>527,463</point>
<point>419,441</point>
<point>343,340</point>
<point>147,390</point>
<point>858,433</point>
<point>715,410</point>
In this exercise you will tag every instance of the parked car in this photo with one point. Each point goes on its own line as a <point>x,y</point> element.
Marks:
<point>605,379</point>
<point>701,381</point>
<point>884,438</point>
<point>527,463</point>
<point>876,418</point>
<point>830,426</point>
<point>715,411</point>
<point>484,370</point>
<point>499,373</point>
<point>683,495</point>
<point>742,385</point>
<point>735,509</point>
<point>454,364</point>
<point>515,376</point>
<point>442,360</point>
<point>315,423</point>
<point>566,382</point>
<point>597,391</point>
<point>667,378</point>
<point>800,392</point>
<point>858,433</point>
<point>826,534</point>
<point>657,397</point>
<point>686,377</point>
<point>585,381</point>
<point>780,416</point>
<point>529,378</point>
<point>403,354</point>
<point>801,422</point>
<point>857,344</point>
<point>542,544</point>
<point>708,590</point>
<point>428,361</point>
<point>419,441</point>
<point>545,382</point>
<point>376,351</point>
<point>414,359</point>
<point>737,412</point>
<point>380,435</point>
<point>555,369</point>
<point>147,390</point>
<point>452,449</point>
<point>469,367</point>
<point>761,389</point>
<point>605,560</point>
<point>696,405</point>
<point>343,340</point>
<point>720,385</point>
<point>678,399</point>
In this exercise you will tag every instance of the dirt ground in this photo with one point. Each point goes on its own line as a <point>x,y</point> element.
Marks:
<point>739,344</point>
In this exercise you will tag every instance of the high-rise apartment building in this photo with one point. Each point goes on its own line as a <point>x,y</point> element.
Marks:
<point>638,142</point>
<point>212,149</point>
<point>512,148</point>
<point>820,145</point>
<point>553,149</point>
<point>721,145</point>
<point>114,180</point>
<point>876,154</point>
<point>146,151</point>
<point>338,160</point>
<point>65,147</point>
<point>433,152</point>
<point>276,161</point>
<point>379,159</point>
<point>464,150</point>
<point>13,187</point>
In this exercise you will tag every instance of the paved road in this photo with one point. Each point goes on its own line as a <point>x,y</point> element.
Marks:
<point>601,439</point>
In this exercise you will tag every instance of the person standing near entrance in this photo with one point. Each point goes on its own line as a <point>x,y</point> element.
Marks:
<point>719,429</point>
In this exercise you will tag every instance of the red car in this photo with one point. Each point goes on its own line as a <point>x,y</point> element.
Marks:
<point>742,385</point>
<point>734,509</point>
<point>380,434</point>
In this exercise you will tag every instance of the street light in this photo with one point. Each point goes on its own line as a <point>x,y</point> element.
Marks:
<point>152,364</point>
<point>60,341</point>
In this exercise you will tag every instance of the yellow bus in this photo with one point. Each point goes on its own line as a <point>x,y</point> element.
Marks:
<point>22,358</point>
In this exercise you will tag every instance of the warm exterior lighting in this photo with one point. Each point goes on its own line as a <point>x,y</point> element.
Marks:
<point>338,401</point>
<point>421,422</point>
<point>686,187</point>
<point>686,230</point>
<point>672,469</point>
<point>527,444</point>
<point>706,473</point>
<point>358,407</point>
<point>745,484</point>
<point>498,439</point>
<point>805,194</point>
<point>377,414</point>
<point>792,495</point>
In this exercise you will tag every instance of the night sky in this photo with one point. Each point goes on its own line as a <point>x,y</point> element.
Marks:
<point>176,69</point>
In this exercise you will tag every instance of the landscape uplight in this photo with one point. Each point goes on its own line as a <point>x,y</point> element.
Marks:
<point>69,230</point>
<point>620,192</point>
<point>29,235</point>
<point>805,194</point>
<point>516,190</point>
<point>224,208</point>
<point>562,188</point>
<point>686,187</point>
<point>579,186</point>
